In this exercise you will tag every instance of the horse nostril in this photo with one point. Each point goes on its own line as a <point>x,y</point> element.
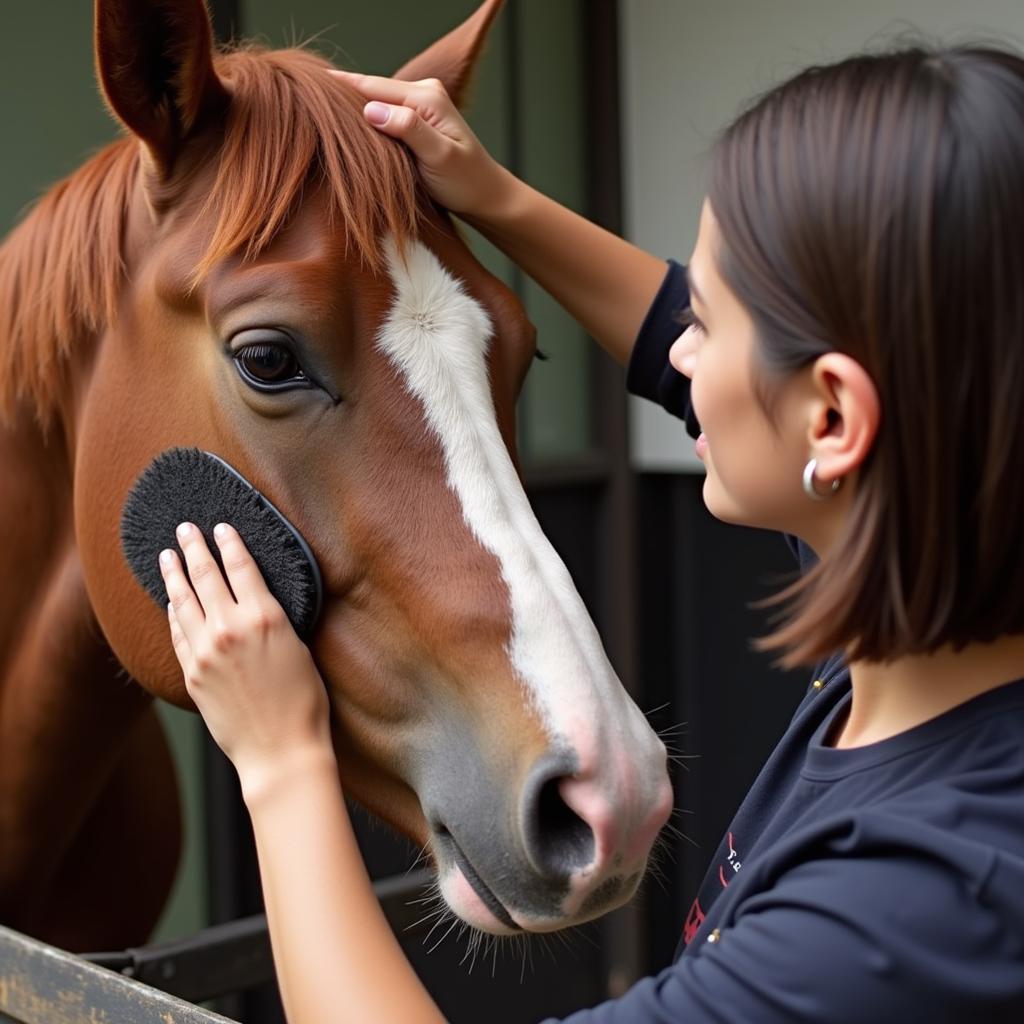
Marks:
<point>558,841</point>
<point>567,840</point>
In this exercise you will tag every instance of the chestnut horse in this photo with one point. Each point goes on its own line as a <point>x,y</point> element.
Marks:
<point>253,271</point>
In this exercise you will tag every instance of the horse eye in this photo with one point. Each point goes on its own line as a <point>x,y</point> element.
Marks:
<point>267,366</point>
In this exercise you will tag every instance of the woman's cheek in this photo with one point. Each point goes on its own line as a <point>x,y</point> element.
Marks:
<point>698,398</point>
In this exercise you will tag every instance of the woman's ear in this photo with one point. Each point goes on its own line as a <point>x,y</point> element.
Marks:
<point>844,418</point>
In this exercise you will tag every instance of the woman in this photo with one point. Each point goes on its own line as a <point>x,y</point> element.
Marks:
<point>855,343</point>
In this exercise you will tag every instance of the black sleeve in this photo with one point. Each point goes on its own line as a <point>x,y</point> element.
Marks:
<point>650,374</point>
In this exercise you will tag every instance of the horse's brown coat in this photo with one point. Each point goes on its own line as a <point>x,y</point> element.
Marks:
<point>249,195</point>
<point>114,294</point>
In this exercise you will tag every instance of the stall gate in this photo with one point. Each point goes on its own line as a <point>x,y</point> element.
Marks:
<point>40,984</point>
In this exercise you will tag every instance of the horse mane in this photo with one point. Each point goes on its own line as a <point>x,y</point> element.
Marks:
<point>291,127</point>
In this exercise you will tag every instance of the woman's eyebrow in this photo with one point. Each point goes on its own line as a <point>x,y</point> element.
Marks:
<point>694,290</point>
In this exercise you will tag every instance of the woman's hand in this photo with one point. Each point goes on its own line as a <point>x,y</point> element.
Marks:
<point>605,283</point>
<point>252,679</point>
<point>456,169</point>
<point>256,686</point>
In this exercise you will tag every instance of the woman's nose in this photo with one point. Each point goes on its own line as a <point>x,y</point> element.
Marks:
<point>683,353</point>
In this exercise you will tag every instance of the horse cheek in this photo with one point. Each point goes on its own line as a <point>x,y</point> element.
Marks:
<point>120,430</point>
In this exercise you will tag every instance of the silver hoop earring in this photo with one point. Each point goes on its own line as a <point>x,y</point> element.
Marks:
<point>810,490</point>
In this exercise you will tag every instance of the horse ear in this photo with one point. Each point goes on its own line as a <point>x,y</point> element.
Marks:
<point>154,61</point>
<point>453,57</point>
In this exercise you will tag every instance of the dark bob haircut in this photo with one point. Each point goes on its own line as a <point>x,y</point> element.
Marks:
<point>876,207</point>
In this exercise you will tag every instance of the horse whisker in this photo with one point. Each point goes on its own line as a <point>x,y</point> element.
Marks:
<point>469,947</point>
<point>680,834</point>
<point>439,921</point>
<point>443,937</point>
<point>425,919</point>
<point>660,707</point>
<point>429,897</point>
<point>674,727</point>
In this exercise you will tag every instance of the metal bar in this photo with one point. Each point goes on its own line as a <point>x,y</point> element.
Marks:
<point>43,985</point>
<point>225,958</point>
<point>236,956</point>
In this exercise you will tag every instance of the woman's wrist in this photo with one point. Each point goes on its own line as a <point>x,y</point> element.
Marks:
<point>267,777</point>
<point>502,204</point>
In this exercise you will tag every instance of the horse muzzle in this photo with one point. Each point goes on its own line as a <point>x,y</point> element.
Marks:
<point>567,845</point>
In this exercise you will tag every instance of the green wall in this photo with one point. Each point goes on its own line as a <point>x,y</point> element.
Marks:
<point>51,114</point>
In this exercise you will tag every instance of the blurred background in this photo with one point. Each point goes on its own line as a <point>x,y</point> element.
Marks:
<point>610,107</point>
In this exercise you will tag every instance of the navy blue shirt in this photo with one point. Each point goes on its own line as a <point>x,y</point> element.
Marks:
<point>878,884</point>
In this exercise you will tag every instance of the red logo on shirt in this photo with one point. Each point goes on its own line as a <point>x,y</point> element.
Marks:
<point>694,919</point>
<point>731,866</point>
<point>726,871</point>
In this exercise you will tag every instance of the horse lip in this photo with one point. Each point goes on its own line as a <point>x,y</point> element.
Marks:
<point>493,904</point>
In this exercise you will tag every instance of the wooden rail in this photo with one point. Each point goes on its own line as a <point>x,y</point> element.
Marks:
<point>40,984</point>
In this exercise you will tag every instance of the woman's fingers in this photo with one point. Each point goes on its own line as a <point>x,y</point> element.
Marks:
<point>187,610</point>
<point>182,648</point>
<point>375,87</point>
<point>203,571</point>
<point>202,612</point>
<point>420,114</point>
<point>455,168</point>
<point>427,142</point>
<point>240,567</point>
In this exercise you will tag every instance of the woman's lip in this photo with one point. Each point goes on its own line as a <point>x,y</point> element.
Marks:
<point>701,446</point>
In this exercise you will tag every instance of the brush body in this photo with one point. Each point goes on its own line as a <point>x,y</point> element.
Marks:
<point>189,485</point>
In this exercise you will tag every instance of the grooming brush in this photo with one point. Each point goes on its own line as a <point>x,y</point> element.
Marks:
<point>189,485</point>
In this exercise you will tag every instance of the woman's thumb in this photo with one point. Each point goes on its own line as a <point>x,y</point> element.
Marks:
<point>377,113</point>
<point>401,122</point>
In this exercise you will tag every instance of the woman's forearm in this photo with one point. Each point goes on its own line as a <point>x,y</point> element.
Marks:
<point>606,283</point>
<point>335,954</point>
<point>264,702</point>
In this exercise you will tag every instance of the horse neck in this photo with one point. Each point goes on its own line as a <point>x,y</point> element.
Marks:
<point>61,272</point>
<point>36,435</point>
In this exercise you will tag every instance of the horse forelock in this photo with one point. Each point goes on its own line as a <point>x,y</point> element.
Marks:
<point>291,128</point>
<point>291,125</point>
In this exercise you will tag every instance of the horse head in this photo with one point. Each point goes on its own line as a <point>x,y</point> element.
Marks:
<point>279,291</point>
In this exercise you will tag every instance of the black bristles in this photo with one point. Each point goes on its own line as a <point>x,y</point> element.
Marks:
<point>189,485</point>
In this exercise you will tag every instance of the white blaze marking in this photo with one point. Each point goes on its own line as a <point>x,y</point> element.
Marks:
<point>438,337</point>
